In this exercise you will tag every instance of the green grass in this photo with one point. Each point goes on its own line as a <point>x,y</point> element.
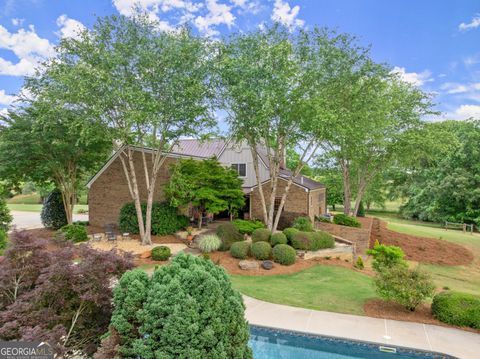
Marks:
<point>25,199</point>
<point>38,207</point>
<point>328,288</point>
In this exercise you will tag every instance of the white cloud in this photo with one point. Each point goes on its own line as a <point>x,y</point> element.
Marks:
<point>284,14</point>
<point>414,78</point>
<point>17,22</point>
<point>218,14</point>
<point>454,88</point>
<point>6,99</point>
<point>69,27</point>
<point>471,25</point>
<point>464,112</point>
<point>247,6</point>
<point>4,112</point>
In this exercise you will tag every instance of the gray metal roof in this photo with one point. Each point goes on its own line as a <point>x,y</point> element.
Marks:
<point>302,180</point>
<point>194,147</point>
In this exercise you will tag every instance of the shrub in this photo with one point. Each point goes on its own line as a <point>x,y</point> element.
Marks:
<point>361,210</point>
<point>321,240</point>
<point>303,224</point>
<point>278,238</point>
<point>240,250</point>
<point>3,241</point>
<point>209,323</point>
<point>5,216</point>
<point>165,218</point>
<point>261,235</point>
<point>75,233</point>
<point>53,212</point>
<point>261,250</point>
<point>161,253</point>
<point>228,234</point>
<point>209,243</point>
<point>284,254</point>
<point>359,263</point>
<point>345,220</point>
<point>289,233</point>
<point>247,227</point>
<point>404,286</point>
<point>302,241</point>
<point>456,308</point>
<point>386,257</point>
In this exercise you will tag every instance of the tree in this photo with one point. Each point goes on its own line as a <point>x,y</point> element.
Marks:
<point>206,185</point>
<point>153,85</point>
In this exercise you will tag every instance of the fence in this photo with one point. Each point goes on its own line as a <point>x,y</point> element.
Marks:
<point>463,226</point>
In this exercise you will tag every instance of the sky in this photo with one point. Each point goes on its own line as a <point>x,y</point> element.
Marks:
<point>434,44</point>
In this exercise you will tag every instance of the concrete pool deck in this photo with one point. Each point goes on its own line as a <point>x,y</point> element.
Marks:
<point>455,342</point>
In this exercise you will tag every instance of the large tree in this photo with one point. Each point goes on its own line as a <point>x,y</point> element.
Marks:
<point>146,86</point>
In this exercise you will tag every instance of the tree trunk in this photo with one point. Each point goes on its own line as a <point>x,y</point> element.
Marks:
<point>259,183</point>
<point>147,240</point>
<point>346,188</point>
<point>361,191</point>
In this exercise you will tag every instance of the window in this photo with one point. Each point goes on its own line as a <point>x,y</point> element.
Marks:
<point>241,169</point>
<point>276,204</point>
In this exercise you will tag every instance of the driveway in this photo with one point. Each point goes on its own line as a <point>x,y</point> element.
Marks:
<point>29,220</point>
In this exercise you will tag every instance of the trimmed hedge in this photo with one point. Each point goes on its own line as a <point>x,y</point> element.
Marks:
<point>302,241</point>
<point>247,227</point>
<point>344,220</point>
<point>321,240</point>
<point>165,218</point>
<point>240,250</point>
<point>261,250</point>
<point>303,224</point>
<point>278,238</point>
<point>284,254</point>
<point>456,308</point>
<point>75,233</point>
<point>53,212</point>
<point>161,253</point>
<point>289,233</point>
<point>261,235</point>
<point>228,234</point>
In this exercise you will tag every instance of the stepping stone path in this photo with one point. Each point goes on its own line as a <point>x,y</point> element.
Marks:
<point>247,265</point>
<point>267,265</point>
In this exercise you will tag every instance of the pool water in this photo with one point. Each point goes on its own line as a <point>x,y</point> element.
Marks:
<point>269,343</point>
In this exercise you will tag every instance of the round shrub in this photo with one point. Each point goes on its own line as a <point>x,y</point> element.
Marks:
<point>261,250</point>
<point>75,233</point>
<point>3,241</point>
<point>53,212</point>
<point>345,220</point>
<point>278,238</point>
<point>456,308</point>
<point>289,233</point>
<point>303,224</point>
<point>302,241</point>
<point>228,234</point>
<point>161,253</point>
<point>165,218</point>
<point>240,250</point>
<point>209,243</point>
<point>261,235</point>
<point>284,254</point>
<point>5,216</point>
<point>247,227</point>
<point>321,240</point>
<point>359,263</point>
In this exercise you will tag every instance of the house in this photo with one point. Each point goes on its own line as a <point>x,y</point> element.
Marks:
<point>108,188</point>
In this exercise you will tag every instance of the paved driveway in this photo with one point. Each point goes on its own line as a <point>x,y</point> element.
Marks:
<point>29,220</point>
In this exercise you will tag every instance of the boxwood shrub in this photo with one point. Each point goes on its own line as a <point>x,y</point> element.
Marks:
<point>240,250</point>
<point>321,240</point>
<point>278,238</point>
<point>303,224</point>
<point>345,220</point>
<point>456,308</point>
<point>75,233</point>
<point>261,235</point>
<point>161,253</point>
<point>289,233</point>
<point>247,227</point>
<point>165,218</point>
<point>284,254</point>
<point>261,250</point>
<point>302,241</point>
<point>228,234</point>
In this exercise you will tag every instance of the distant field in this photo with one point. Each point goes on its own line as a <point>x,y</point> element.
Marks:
<point>25,199</point>
<point>32,203</point>
<point>38,207</point>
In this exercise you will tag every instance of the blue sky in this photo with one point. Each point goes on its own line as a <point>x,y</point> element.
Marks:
<point>433,44</point>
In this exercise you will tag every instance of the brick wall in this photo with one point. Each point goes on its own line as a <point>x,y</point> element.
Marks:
<point>317,203</point>
<point>110,191</point>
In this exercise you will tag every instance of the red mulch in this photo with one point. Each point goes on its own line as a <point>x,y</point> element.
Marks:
<point>421,249</point>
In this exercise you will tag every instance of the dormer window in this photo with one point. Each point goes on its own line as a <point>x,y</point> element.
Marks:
<point>240,168</point>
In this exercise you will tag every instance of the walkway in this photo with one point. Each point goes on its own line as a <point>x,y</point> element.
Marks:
<point>455,342</point>
<point>30,220</point>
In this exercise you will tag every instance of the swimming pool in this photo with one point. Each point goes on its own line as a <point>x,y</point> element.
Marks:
<point>269,343</point>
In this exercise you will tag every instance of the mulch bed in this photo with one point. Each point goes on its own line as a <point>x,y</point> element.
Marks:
<point>421,249</point>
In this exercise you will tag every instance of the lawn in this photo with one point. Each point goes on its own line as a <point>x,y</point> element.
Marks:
<point>38,207</point>
<point>322,287</point>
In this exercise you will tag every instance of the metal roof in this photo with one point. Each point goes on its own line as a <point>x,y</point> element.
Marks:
<point>194,147</point>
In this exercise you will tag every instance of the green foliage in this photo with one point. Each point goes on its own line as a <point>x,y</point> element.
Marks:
<point>187,309</point>
<point>161,253</point>
<point>322,219</point>
<point>261,250</point>
<point>361,210</point>
<point>321,240</point>
<point>3,241</point>
<point>5,216</point>
<point>404,286</point>
<point>289,233</point>
<point>247,227</point>
<point>261,235</point>
<point>165,218</point>
<point>209,243</point>
<point>359,263</point>
<point>386,257</point>
<point>53,212</point>
<point>284,254</point>
<point>344,220</point>
<point>456,308</point>
<point>75,233</point>
<point>240,250</point>
<point>228,234</point>
<point>303,224</point>
<point>302,241</point>
<point>278,238</point>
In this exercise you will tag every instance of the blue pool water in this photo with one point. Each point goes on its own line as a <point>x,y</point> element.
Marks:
<point>280,344</point>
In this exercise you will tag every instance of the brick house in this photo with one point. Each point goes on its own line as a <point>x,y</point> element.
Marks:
<point>108,189</point>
